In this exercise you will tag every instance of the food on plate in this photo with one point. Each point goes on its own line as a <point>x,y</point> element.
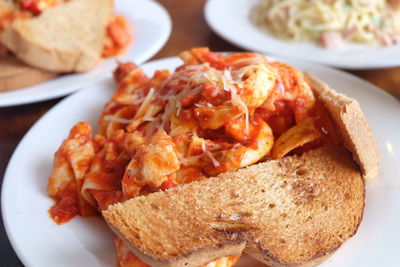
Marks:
<point>213,115</point>
<point>330,22</point>
<point>117,37</point>
<point>62,36</point>
<point>11,71</point>
<point>289,212</point>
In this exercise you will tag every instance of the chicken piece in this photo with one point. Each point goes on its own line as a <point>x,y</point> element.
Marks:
<point>216,159</point>
<point>132,141</point>
<point>236,128</point>
<point>259,81</point>
<point>223,161</point>
<point>157,160</point>
<point>264,140</point>
<point>129,183</point>
<point>179,126</point>
<point>293,87</point>
<point>215,117</point>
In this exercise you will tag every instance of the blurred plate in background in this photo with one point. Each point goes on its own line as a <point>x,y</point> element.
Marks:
<point>151,27</point>
<point>231,20</point>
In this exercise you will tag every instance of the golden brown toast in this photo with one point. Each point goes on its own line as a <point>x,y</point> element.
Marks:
<point>65,38</point>
<point>353,127</point>
<point>294,211</point>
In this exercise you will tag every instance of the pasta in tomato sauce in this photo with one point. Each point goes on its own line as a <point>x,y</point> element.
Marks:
<point>213,114</point>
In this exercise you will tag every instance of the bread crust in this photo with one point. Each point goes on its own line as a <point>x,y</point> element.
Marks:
<point>15,74</point>
<point>36,54</point>
<point>271,262</point>
<point>198,258</point>
<point>353,127</point>
<point>298,187</point>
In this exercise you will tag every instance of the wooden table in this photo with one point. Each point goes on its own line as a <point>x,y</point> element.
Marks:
<point>189,30</point>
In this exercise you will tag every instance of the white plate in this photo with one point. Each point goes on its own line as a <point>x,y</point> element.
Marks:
<point>38,241</point>
<point>151,27</point>
<point>231,20</point>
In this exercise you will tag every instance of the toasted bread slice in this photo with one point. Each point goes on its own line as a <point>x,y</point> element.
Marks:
<point>353,126</point>
<point>294,211</point>
<point>12,69</point>
<point>66,38</point>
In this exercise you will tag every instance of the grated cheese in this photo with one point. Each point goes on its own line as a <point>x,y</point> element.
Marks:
<point>209,154</point>
<point>207,105</point>
<point>148,115</point>
<point>152,127</point>
<point>215,91</point>
<point>237,101</point>
<point>189,81</point>
<point>145,104</point>
<point>243,71</point>
<point>137,101</point>
<point>190,160</point>
<point>116,119</point>
<point>149,119</point>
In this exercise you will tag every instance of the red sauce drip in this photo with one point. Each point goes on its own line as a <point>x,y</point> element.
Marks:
<point>67,205</point>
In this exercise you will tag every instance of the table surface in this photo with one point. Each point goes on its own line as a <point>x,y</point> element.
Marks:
<point>189,30</point>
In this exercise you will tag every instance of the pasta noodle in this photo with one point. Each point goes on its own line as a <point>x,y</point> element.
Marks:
<point>330,21</point>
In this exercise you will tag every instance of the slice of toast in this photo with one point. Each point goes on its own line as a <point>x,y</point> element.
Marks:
<point>65,38</point>
<point>12,69</point>
<point>352,125</point>
<point>294,211</point>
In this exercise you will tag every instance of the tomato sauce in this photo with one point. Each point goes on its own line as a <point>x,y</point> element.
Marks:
<point>122,70</point>
<point>170,183</point>
<point>224,131</point>
<point>106,198</point>
<point>118,33</point>
<point>67,205</point>
<point>214,97</point>
<point>325,123</point>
